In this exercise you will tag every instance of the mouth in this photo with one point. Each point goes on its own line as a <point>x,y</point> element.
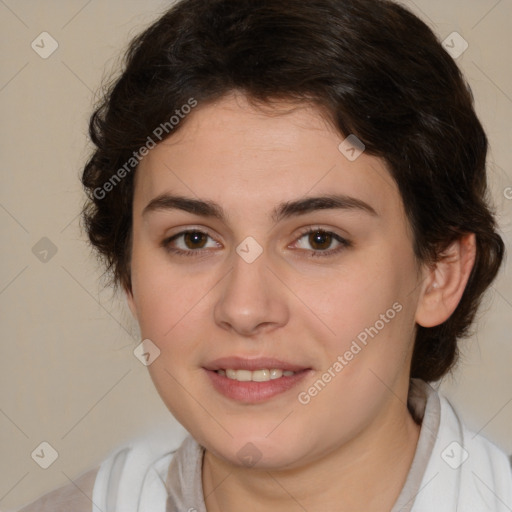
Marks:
<point>263,375</point>
<point>254,380</point>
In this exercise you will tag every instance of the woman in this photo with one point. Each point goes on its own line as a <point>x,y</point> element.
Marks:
<point>292,196</point>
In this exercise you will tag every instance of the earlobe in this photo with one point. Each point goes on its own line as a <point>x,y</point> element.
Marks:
<point>446,281</point>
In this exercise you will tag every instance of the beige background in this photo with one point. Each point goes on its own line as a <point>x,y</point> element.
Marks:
<point>68,374</point>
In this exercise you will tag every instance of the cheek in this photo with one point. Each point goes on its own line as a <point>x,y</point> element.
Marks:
<point>165,296</point>
<point>349,300</point>
<point>367,317</point>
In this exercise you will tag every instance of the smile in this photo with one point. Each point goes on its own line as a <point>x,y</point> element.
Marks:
<point>262,375</point>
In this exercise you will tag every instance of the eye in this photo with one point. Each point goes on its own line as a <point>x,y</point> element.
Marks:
<point>321,241</point>
<point>188,243</point>
<point>194,242</point>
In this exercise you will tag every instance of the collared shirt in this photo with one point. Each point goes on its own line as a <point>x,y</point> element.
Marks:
<point>452,469</point>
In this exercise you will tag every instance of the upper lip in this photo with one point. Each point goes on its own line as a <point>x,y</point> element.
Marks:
<point>241,363</point>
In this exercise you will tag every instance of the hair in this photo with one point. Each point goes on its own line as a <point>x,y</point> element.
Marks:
<point>370,66</point>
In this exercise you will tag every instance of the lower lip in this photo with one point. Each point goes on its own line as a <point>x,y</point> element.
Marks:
<point>254,392</point>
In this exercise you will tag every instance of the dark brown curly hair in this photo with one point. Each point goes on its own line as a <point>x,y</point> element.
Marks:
<point>371,66</point>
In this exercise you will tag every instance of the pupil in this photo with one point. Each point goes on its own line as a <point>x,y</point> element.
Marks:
<point>320,238</point>
<point>194,238</point>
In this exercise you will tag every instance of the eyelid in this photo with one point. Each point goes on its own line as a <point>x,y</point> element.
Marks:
<point>324,229</point>
<point>180,230</point>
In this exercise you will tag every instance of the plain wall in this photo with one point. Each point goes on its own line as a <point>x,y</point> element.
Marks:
<point>68,374</point>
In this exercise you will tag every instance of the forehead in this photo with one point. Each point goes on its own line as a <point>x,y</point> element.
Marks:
<point>245,157</point>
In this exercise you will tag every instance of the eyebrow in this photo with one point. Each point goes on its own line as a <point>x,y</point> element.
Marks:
<point>283,211</point>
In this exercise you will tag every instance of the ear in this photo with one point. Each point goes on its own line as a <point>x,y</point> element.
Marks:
<point>130,301</point>
<point>445,282</point>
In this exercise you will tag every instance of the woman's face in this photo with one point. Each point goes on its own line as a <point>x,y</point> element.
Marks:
<point>337,306</point>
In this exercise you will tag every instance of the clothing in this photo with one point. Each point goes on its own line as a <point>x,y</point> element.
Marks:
<point>453,469</point>
<point>73,497</point>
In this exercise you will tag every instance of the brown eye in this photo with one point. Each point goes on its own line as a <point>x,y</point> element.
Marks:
<point>190,243</point>
<point>320,240</point>
<point>195,239</point>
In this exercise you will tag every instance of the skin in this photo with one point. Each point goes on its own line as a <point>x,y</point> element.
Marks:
<point>335,452</point>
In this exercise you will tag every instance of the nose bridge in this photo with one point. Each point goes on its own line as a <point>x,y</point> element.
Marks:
<point>250,298</point>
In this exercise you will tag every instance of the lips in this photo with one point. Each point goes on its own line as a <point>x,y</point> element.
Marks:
<point>260,363</point>
<point>250,384</point>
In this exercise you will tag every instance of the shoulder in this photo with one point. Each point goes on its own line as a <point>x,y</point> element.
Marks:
<point>136,472</point>
<point>476,444</point>
<point>464,470</point>
<point>131,466</point>
<point>76,496</point>
<point>484,469</point>
<point>448,425</point>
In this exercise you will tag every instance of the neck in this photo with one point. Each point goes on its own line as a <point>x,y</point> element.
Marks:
<point>354,476</point>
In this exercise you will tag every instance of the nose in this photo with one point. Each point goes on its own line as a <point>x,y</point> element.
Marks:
<point>252,299</point>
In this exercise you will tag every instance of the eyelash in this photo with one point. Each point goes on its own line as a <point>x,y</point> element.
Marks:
<point>312,253</point>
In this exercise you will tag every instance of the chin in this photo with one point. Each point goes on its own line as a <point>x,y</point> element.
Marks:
<point>259,452</point>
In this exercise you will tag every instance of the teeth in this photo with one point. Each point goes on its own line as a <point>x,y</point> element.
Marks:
<point>263,375</point>
<point>275,374</point>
